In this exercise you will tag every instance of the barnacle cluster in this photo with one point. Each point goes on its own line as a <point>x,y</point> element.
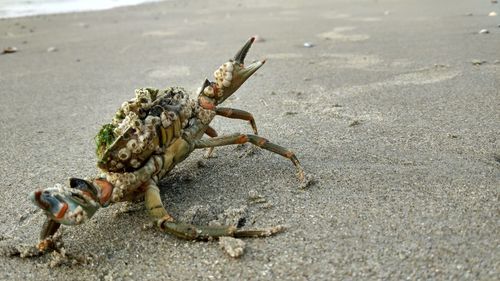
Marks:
<point>125,185</point>
<point>134,133</point>
<point>224,75</point>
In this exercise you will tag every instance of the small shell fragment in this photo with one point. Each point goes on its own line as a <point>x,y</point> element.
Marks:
<point>232,246</point>
<point>308,45</point>
<point>484,31</point>
<point>492,14</point>
<point>478,62</point>
<point>9,50</point>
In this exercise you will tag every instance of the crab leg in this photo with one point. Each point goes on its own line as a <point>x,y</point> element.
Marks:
<point>187,231</point>
<point>255,140</point>
<point>237,114</point>
<point>211,132</point>
<point>154,205</point>
<point>49,228</point>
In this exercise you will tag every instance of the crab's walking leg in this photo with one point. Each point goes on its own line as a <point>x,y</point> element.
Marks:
<point>49,228</point>
<point>154,205</point>
<point>237,114</point>
<point>193,232</point>
<point>255,140</point>
<point>211,132</point>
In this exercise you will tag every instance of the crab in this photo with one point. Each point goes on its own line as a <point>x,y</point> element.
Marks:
<point>148,136</point>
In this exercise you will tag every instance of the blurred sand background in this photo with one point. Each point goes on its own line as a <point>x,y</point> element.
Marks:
<point>392,106</point>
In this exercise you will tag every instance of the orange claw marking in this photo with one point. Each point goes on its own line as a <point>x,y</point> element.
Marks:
<point>206,104</point>
<point>106,190</point>
<point>38,193</point>
<point>61,212</point>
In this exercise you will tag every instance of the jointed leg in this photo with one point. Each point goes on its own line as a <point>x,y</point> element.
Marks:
<point>193,232</point>
<point>211,132</point>
<point>237,114</point>
<point>154,205</point>
<point>49,228</point>
<point>256,140</point>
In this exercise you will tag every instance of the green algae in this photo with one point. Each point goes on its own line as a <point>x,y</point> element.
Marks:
<point>104,139</point>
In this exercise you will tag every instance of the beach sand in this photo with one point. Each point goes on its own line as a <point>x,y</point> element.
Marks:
<point>393,109</point>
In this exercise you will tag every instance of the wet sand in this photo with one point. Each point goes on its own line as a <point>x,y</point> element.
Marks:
<point>393,111</point>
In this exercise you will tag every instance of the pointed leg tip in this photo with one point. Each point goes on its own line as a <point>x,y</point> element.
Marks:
<point>278,229</point>
<point>306,180</point>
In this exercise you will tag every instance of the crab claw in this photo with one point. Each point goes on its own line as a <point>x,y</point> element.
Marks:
<point>242,53</point>
<point>231,75</point>
<point>69,206</point>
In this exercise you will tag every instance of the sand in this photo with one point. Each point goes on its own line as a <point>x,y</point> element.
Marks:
<point>393,108</point>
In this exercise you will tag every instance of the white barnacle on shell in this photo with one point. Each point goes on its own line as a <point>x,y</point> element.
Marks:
<point>229,67</point>
<point>137,124</point>
<point>172,116</point>
<point>132,178</point>
<point>208,91</point>
<point>135,163</point>
<point>125,107</point>
<point>110,178</point>
<point>133,146</point>
<point>151,122</point>
<point>123,154</point>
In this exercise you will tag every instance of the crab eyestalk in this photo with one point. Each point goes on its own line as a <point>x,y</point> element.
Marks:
<point>228,78</point>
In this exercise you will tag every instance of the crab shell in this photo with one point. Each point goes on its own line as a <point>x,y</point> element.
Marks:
<point>141,128</point>
<point>129,151</point>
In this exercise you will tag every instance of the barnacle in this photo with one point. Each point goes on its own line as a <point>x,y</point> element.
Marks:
<point>133,135</point>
